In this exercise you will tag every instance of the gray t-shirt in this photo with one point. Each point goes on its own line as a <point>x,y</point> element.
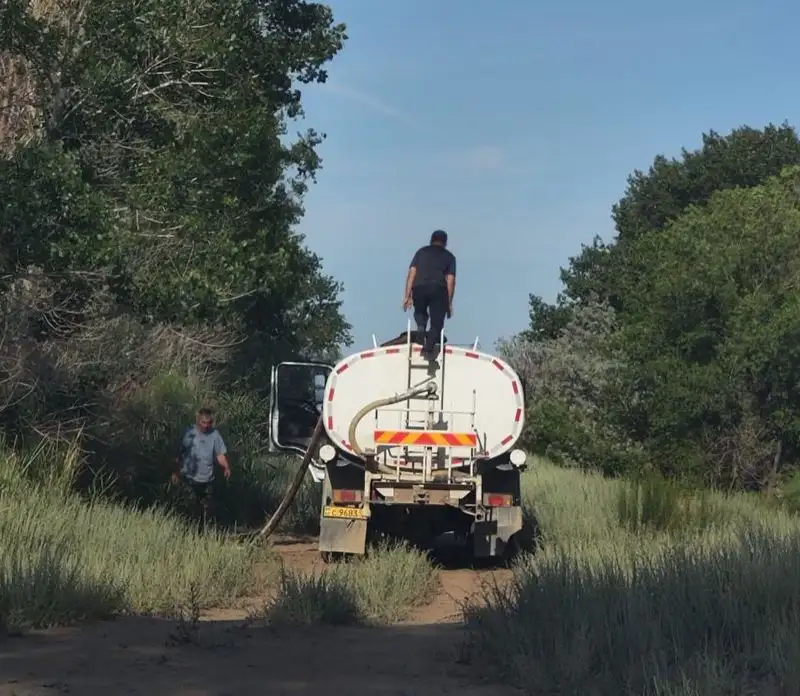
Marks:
<point>198,453</point>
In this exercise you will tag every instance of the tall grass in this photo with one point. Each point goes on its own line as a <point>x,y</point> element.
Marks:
<point>137,445</point>
<point>637,590</point>
<point>382,587</point>
<point>64,558</point>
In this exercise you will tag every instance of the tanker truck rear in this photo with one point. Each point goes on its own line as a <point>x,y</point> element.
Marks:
<point>413,447</point>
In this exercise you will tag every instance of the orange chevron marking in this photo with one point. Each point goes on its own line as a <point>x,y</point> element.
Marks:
<point>435,438</point>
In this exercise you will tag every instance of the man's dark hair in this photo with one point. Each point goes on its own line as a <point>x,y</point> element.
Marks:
<point>439,237</point>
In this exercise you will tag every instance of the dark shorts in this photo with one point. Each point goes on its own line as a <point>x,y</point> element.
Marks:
<point>201,494</point>
<point>201,491</point>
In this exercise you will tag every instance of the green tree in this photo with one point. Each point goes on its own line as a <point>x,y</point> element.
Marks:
<point>151,179</point>
<point>172,117</point>
<point>711,336</point>
<point>743,158</point>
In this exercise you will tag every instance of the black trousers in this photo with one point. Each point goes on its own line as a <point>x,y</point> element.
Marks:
<point>430,301</point>
<point>201,503</point>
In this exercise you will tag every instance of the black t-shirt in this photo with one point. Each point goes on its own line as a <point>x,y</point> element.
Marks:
<point>433,263</point>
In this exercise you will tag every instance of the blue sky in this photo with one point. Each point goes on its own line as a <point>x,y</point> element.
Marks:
<point>513,125</point>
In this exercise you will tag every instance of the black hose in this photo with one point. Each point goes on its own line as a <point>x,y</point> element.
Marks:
<point>294,486</point>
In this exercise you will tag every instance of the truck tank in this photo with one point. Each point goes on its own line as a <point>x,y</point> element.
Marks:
<point>473,393</point>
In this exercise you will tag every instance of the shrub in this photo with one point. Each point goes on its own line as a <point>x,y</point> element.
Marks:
<point>380,588</point>
<point>652,601</point>
<point>718,618</point>
<point>653,502</point>
<point>63,558</point>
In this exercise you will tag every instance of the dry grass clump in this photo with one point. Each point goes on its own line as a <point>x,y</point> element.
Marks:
<point>623,599</point>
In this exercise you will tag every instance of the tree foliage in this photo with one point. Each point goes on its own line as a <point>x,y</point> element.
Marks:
<point>711,334</point>
<point>152,182</point>
<point>162,163</point>
<point>743,158</point>
<point>570,382</point>
<point>701,285</point>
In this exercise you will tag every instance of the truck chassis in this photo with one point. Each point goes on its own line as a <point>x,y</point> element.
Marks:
<point>485,514</point>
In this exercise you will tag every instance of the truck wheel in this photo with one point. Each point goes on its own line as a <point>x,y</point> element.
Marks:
<point>512,550</point>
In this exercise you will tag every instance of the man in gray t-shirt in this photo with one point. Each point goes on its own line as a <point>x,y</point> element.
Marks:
<point>201,447</point>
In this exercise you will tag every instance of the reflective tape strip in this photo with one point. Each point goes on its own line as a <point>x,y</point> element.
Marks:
<point>438,438</point>
<point>435,438</point>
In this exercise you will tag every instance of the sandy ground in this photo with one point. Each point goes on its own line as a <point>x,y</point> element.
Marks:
<point>228,657</point>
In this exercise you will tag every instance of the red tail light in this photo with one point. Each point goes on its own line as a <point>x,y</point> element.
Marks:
<point>343,495</point>
<point>497,500</point>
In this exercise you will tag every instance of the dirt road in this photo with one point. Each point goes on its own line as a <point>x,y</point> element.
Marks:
<point>227,657</point>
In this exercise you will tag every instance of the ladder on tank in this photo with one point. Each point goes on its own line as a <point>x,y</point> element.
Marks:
<point>425,411</point>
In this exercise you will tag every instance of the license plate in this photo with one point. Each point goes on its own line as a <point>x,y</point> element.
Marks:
<point>350,513</point>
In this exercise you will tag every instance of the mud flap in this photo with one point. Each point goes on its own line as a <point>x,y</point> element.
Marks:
<point>342,536</point>
<point>490,537</point>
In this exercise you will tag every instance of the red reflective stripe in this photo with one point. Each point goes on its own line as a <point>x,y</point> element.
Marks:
<point>498,365</point>
<point>518,415</point>
<point>507,440</point>
<point>448,351</point>
<point>515,387</point>
<point>330,422</point>
<point>392,351</point>
<point>342,369</point>
<point>472,355</point>
<point>368,354</point>
<point>397,438</point>
<point>330,394</point>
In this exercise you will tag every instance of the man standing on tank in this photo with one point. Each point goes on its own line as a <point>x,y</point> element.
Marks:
<point>430,286</point>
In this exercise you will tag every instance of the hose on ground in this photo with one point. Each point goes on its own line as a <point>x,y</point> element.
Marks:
<point>294,486</point>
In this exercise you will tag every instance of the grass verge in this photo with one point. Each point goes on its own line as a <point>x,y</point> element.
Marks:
<point>63,558</point>
<point>382,587</point>
<point>622,599</point>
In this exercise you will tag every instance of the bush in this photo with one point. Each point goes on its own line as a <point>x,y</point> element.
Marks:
<point>305,599</point>
<point>63,558</point>
<point>697,603</point>
<point>653,502</point>
<point>570,383</point>
<point>44,585</point>
<point>380,588</point>
<point>719,619</point>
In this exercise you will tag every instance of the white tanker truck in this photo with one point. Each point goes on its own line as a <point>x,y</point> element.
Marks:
<point>405,445</point>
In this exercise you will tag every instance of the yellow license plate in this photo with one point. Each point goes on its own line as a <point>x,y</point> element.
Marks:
<point>350,513</point>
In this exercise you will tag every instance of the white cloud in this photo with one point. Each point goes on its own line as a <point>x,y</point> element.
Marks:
<point>367,100</point>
